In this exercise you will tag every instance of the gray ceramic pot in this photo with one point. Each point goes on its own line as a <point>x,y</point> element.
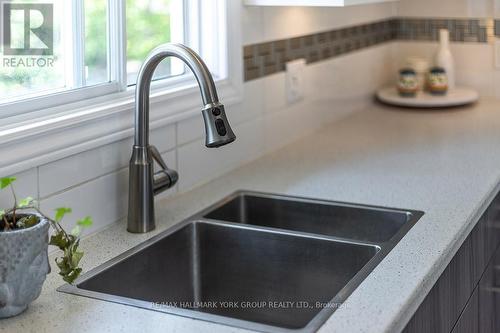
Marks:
<point>24,266</point>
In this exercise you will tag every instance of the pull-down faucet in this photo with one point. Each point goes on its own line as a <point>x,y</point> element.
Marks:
<point>144,183</point>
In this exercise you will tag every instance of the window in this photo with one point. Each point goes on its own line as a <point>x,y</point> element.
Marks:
<point>56,52</point>
<point>162,21</point>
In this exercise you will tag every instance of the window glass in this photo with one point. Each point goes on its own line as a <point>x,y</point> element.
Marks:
<point>149,24</point>
<point>43,49</point>
<point>23,70</point>
<point>96,42</point>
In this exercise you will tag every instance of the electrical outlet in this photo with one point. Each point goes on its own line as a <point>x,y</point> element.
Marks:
<point>295,80</point>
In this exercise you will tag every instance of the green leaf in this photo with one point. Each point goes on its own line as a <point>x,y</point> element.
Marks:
<point>31,221</point>
<point>26,202</point>
<point>75,259</point>
<point>85,222</point>
<point>64,268</point>
<point>6,181</point>
<point>72,275</point>
<point>68,243</point>
<point>59,240</point>
<point>76,231</point>
<point>60,212</point>
<point>2,213</point>
<point>27,221</point>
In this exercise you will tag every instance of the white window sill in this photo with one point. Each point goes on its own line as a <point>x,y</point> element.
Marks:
<point>77,127</point>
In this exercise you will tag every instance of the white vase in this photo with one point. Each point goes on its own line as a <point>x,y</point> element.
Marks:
<point>444,57</point>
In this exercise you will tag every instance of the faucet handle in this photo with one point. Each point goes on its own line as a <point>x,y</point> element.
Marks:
<point>157,157</point>
<point>165,178</point>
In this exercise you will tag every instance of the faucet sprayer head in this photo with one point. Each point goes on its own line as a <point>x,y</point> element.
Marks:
<point>217,128</point>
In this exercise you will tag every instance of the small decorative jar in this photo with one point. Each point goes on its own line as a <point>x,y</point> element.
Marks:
<point>437,81</point>
<point>408,82</point>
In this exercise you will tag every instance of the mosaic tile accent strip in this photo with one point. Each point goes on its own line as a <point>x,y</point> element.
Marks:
<point>461,30</point>
<point>496,28</point>
<point>270,57</point>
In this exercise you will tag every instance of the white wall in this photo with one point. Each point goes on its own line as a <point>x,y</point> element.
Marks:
<point>261,24</point>
<point>446,8</point>
<point>95,182</point>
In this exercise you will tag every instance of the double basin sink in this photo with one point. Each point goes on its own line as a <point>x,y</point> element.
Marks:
<point>258,261</point>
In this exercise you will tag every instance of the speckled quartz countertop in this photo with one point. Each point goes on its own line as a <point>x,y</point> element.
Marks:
<point>445,163</point>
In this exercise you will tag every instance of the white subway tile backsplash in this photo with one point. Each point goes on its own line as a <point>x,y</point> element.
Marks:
<point>350,77</point>
<point>198,164</point>
<point>164,138</point>
<point>263,134</point>
<point>77,169</point>
<point>275,93</point>
<point>104,198</point>
<point>473,56</point>
<point>192,129</point>
<point>253,105</point>
<point>482,81</point>
<point>63,174</point>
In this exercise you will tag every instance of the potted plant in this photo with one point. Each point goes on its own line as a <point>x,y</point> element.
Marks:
<point>24,240</point>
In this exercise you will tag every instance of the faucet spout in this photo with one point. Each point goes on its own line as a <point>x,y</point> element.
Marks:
<point>144,183</point>
<point>203,77</point>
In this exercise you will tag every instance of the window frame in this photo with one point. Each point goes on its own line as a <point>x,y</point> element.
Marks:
<point>116,59</point>
<point>71,122</point>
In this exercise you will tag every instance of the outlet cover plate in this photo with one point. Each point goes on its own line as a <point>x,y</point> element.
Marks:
<point>295,84</point>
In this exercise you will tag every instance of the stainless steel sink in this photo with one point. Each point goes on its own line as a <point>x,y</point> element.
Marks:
<point>258,261</point>
<point>365,223</point>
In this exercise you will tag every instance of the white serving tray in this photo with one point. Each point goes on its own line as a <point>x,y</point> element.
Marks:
<point>456,97</point>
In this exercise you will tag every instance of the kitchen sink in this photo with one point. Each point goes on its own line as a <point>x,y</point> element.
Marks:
<point>365,223</point>
<point>259,261</point>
